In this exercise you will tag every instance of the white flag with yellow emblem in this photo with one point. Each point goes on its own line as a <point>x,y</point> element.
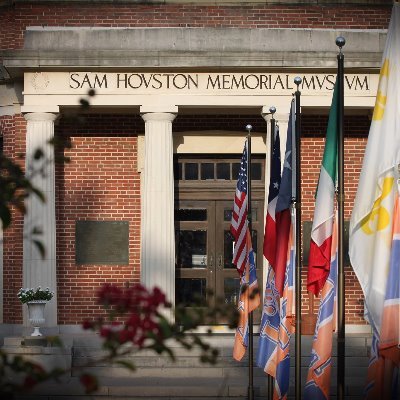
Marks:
<point>371,219</point>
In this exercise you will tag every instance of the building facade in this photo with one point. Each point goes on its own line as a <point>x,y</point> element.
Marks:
<point>147,193</point>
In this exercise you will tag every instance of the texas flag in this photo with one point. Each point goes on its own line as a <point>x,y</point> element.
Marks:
<point>274,184</point>
<point>269,326</point>
<point>283,205</point>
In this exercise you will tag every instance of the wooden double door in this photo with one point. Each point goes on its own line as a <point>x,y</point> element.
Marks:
<point>204,248</point>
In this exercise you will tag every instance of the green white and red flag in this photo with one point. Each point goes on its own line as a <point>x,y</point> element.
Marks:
<point>322,229</point>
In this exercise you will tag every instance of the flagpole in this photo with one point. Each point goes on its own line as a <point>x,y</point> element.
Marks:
<point>340,42</point>
<point>250,321</point>
<point>297,201</point>
<point>272,110</point>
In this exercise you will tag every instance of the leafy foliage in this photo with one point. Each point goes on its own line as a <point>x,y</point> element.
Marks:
<point>136,319</point>
<point>15,188</point>
<point>30,294</point>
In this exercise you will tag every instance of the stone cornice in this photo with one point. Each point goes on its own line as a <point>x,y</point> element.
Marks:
<point>191,48</point>
<point>15,62</point>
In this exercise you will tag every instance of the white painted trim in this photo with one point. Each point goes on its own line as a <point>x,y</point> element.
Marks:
<point>49,108</point>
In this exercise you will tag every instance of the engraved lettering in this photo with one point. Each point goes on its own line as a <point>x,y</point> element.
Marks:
<point>175,82</point>
<point>279,81</point>
<point>215,84</point>
<point>263,81</point>
<point>158,82</point>
<point>146,83</point>
<point>194,82</point>
<point>320,84</point>
<point>86,80</point>
<point>349,85</point>
<point>237,84</point>
<point>226,81</point>
<point>330,79</point>
<point>100,83</point>
<point>168,80</point>
<point>287,83</point>
<point>183,83</point>
<point>361,84</point>
<point>76,84</point>
<point>310,84</point>
<point>125,80</point>
<point>131,81</point>
<point>248,85</point>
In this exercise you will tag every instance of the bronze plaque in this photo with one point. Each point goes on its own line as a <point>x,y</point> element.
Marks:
<point>102,242</point>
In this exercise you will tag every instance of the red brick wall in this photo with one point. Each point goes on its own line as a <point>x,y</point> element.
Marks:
<point>99,183</point>
<point>13,131</point>
<point>21,15</point>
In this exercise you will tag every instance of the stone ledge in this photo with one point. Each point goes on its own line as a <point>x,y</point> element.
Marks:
<point>202,39</point>
<point>19,62</point>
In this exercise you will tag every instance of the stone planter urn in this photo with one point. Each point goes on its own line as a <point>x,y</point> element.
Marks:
<point>36,315</point>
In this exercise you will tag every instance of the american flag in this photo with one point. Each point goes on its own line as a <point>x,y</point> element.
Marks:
<point>239,223</point>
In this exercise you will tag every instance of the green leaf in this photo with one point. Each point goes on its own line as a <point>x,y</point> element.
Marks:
<point>38,154</point>
<point>84,103</point>
<point>165,328</point>
<point>126,364</point>
<point>54,341</point>
<point>40,247</point>
<point>5,216</point>
<point>37,231</point>
<point>39,194</point>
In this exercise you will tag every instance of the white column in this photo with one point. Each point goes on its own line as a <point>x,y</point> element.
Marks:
<point>267,117</point>
<point>158,233</point>
<point>38,270</point>
<point>282,120</point>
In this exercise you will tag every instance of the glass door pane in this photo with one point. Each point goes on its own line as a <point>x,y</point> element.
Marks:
<point>191,246</point>
<point>194,233</point>
<point>227,277</point>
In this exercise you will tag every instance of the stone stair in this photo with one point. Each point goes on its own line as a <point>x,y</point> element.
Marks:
<point>157,377</point>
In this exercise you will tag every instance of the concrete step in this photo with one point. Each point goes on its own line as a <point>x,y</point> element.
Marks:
<point>167,388</point>
<point>157,377</point>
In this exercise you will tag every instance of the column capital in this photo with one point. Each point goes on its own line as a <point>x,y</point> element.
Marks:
<point>267,117</point>
<point>159,108</point>
<point>40,109</point>
<point>266,113</point>
<point>158,116</point>
<point>282,117</point>
<point>41,116</point>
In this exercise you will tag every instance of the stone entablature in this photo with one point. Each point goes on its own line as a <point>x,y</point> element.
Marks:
<point>160,90</point>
